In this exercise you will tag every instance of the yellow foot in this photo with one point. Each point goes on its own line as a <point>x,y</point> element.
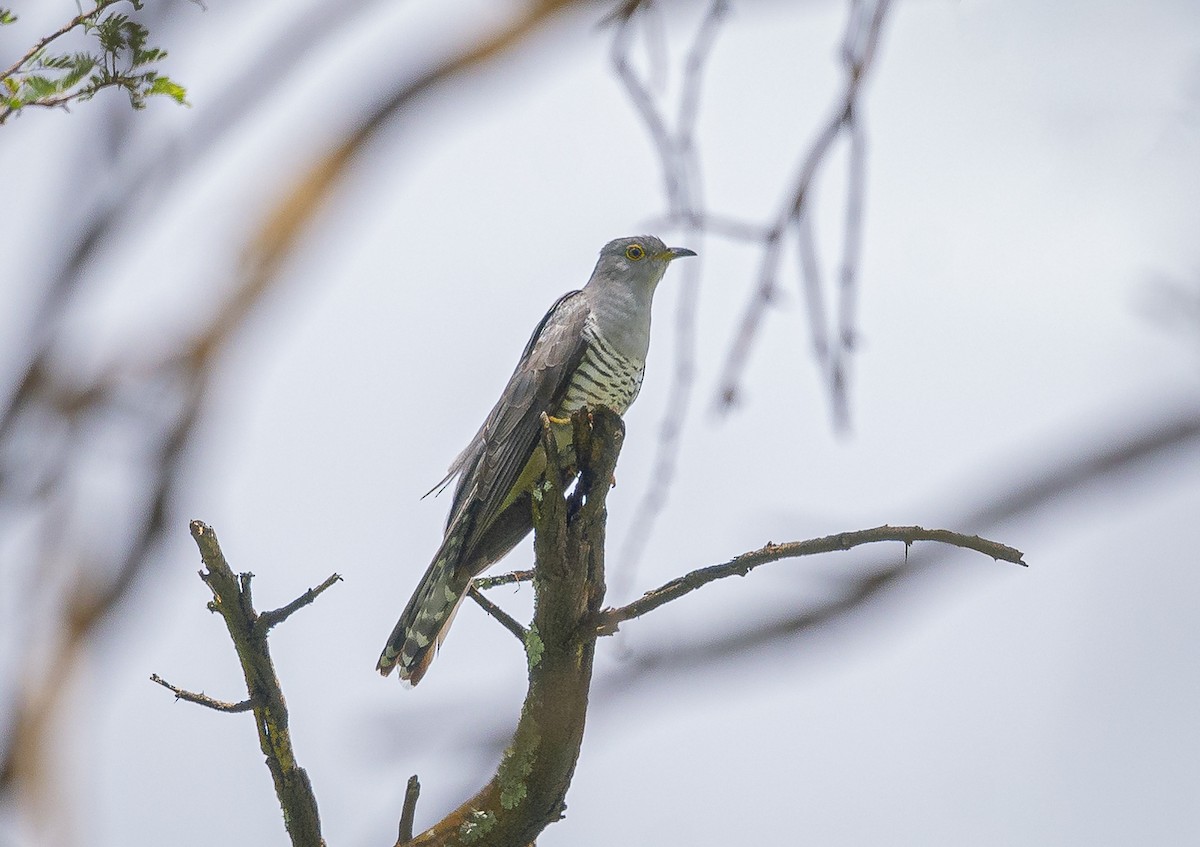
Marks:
<point>559,421</point>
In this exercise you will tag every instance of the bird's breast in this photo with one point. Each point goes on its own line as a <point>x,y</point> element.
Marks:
<point>604,377</point>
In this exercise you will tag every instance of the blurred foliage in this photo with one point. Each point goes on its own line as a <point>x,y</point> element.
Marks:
<point>119,58</point>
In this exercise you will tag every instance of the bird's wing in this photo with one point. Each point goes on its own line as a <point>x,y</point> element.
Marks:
<point>496,456</point>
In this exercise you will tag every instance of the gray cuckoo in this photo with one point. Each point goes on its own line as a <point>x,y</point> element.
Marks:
<point>589,349</point>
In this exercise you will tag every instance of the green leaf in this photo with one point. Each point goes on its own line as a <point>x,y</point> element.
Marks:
<point>56,62</point>
<point>165,85</point>
<point>111,32</point>
<point>145,57</point>
<point>135,36</point>
<point>7,17</point>
<point>81,67</point>
<point>41,87</point>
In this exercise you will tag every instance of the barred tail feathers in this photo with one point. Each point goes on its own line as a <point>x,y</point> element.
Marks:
<point>426,620</point>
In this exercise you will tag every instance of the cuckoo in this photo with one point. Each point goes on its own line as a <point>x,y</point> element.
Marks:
<point>589,350</point>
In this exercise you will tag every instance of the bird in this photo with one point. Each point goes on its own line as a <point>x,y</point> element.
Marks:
<point>589,350</point>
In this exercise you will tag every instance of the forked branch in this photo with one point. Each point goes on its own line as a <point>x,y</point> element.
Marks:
<point>248,629</point>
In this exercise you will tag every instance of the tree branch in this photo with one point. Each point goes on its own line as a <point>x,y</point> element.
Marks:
<point>506,620</point>
<point>483,583</point>
<point>608,621</point>
<point>860,42</point>
<point>266,620</point>
<point>202,699</point>
<point>231,599</point>
<point>409,811</point>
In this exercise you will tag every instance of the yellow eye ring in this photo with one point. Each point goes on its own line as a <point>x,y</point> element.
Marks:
<point>634,252</point>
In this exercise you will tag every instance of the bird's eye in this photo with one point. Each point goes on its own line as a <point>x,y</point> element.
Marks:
<point>634,252</point>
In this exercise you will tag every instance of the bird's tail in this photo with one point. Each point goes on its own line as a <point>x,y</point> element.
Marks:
<point>426,619</point>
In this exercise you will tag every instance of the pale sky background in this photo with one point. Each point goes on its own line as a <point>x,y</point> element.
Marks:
<point>1033,168</point>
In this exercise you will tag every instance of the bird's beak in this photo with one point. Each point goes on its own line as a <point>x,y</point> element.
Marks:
<point>672,253</point>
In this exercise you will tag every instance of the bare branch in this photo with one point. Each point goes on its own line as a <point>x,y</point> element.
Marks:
<point>232,601</point>
<point>608,621</point>
<point>408,812</point>
<point>483,583</point>
<point>506,620</point>
<point>860,42</point>
<point>202,699</point>
<point>266,620</point>
<point>852,234</point>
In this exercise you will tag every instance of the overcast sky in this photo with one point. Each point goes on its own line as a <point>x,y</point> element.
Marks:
<point>1033,173</point>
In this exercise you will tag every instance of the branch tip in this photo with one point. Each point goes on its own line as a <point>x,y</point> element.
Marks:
<point>277,616</point>
<point>408,812</point>
<point>203,699</point>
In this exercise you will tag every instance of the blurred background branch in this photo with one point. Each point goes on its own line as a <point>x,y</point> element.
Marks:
<point>860,43</point>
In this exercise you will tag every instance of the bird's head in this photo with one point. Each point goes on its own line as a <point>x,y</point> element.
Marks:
<point>638,261</point>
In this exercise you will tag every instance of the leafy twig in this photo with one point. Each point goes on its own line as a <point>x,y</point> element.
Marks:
<point>40,78</point>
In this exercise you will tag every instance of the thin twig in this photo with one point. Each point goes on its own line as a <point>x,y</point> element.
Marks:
<point>506,620</point>
<point>266,620</point>
<point>643,102</point>
<point>860,44</point>
<point>202,699</point>
<point>483,583</point>
<point>608,620</point>
<point>852,234</point>
<point>813,290</point>
<point>41,43</point>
